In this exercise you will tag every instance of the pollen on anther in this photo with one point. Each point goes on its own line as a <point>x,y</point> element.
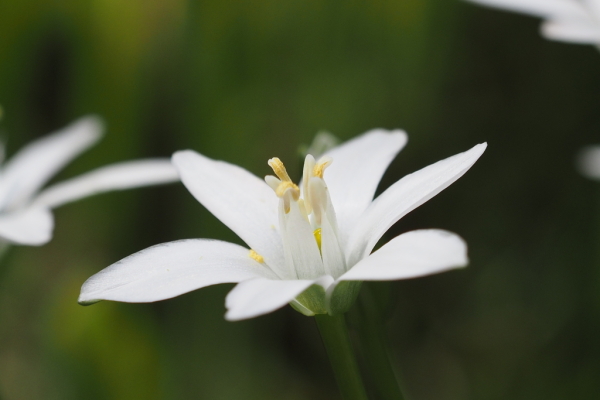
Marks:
<point>277,165</point>
<point>284,186</point>
<point>256,257</point>
<point>319,168</point>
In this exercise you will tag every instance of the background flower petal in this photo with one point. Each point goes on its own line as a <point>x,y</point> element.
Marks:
<point>573,31</point>
<point>242,201</point>
<point>32,227</point>
<point>170,269</point>
<point>410,255</point>
<point>540,8</point>
<point>260,296</point>
<point>403,197</point>
<point>357,168</point>
<point>117,176</point>
<point>31,167</point>
<point>588,161</point>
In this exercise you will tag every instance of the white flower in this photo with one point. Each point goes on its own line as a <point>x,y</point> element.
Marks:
<point>588,162</point>
<point>309,246</point>
<point>25,216</point>
<point>574,21</point>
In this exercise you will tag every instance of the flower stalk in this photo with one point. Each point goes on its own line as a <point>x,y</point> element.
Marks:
<point>339,348</point>
<point>375,350</point>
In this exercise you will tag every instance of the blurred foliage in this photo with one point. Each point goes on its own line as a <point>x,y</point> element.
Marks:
<point>247,80</point>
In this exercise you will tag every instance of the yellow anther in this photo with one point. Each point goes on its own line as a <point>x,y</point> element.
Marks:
<point>279,169</point>
<point>317,234</point>
<point>284,186</point>
<point>256,257</point>
<point>319,169</point>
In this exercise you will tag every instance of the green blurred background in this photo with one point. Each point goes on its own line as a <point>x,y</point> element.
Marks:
<point>247,80</point>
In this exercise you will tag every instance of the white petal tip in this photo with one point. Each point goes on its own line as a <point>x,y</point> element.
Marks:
<point>237,314</point>
<point>588,162</point>
<point>31,227</point>
<point>481,146</point>
<point>92,125</point>
<point>574,32</point>
<point>462,263</point>
<point>233,317</point>
<point>181,155</point>
<point>85,296</point>
<point>87,302</point>
<point>33,242</point>
<point>477,150</point>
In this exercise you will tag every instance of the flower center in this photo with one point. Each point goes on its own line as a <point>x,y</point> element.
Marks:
<point>307,221</point>
<point>284,187</point>
<point>312,203</point>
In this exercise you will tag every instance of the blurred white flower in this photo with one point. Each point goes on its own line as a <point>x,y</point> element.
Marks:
<point>322,142</point>
<point>25,216</point>
<point>588,162</point>
<point>573,21</point>
<point>310,246</point>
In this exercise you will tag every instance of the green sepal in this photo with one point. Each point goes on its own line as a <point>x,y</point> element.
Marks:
<point>342,297</point>
<point>311,301</point>
<point>301,309</point>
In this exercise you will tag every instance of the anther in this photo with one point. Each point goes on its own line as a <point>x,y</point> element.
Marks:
<point>319,168</point>
<point>256,257</point>
<point>284,186</point>
<point>279,169</point>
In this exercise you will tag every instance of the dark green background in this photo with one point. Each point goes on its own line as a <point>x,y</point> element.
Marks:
<point>247,80</point>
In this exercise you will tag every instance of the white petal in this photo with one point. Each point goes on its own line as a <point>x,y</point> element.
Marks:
<point>118,176</point>
<point>334,262</point>
<point>357,168</point>
<point>302,252</point>
<point>260,296</point>
<point>170,269</point>
<point>588,162</point>
<point>243,202</point>
<point>411,255</point>
<point>333,258</point>
<point>539,8</point>
<point>404,196</point>
<point>309,165</point>
<point>572,31</point>
<point>594,7</point>
<point>32,227</point>
<point>32,166</point>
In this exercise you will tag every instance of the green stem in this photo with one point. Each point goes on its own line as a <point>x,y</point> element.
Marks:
<point>345,368</point>
<point>375,354</point>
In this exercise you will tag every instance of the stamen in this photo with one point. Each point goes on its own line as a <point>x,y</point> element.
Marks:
<point>284,186</point>
<point>317,234</point>
<point>257,257</point>
<point>309,165</point>
<point>272,182</point>
<point>279,169</point>
<point>323,163</point>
